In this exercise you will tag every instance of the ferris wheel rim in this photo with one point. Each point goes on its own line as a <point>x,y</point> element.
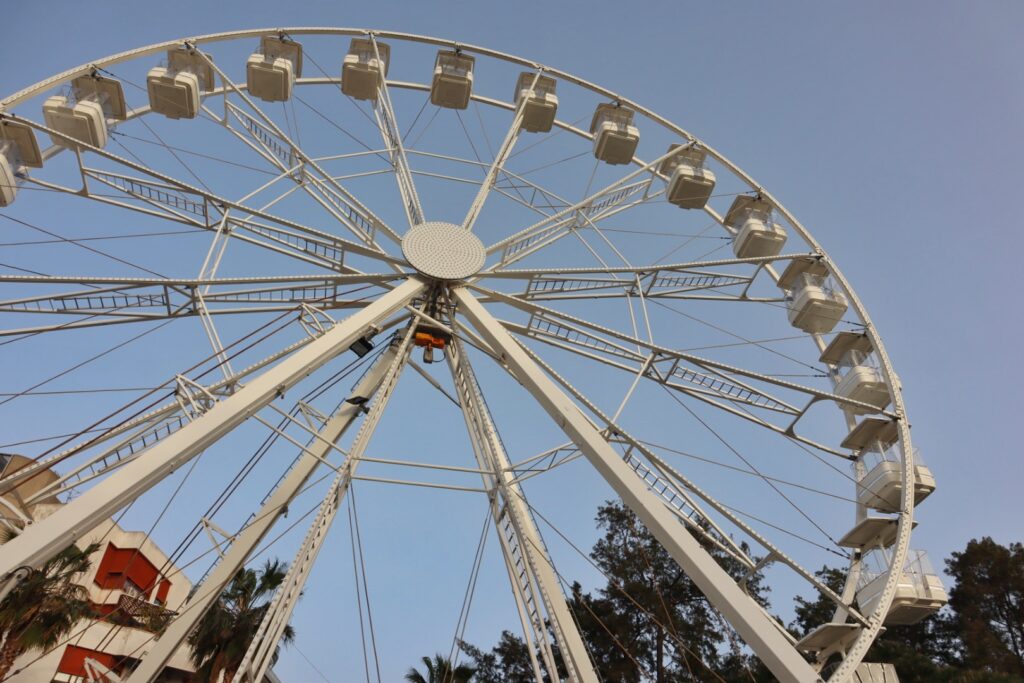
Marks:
<point>905,518</point>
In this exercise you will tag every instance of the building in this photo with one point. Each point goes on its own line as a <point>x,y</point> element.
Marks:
<point>130,583</point>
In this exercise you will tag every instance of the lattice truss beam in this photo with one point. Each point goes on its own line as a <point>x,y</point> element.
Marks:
<point>129,459</point>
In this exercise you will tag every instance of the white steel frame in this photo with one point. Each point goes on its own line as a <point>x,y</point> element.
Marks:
<point>212,411</point>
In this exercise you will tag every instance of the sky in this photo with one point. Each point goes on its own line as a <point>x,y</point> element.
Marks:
<point>891,131</point>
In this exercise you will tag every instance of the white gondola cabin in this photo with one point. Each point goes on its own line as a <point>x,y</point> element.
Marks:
<point>880,473</point>
<point>176,90</point>
<point>756,234</point>
<point>690,184</point>
<point>541,101</point>
<point>813,304</point>
<point>270,73</point>
<point>82,115</point>
<point>918,593</point>
<point>8,179</point>
<point>860,378</point>
<point>615,136</point>
<point>18,148</point>
<point>81,121</point>
<point>364,69</point>
<point>453,79</point>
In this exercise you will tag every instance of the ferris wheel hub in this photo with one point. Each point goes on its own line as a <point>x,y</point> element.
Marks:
<point>443,251</point>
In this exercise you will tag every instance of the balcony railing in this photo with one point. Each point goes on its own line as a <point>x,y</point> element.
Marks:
<point>148,616</point>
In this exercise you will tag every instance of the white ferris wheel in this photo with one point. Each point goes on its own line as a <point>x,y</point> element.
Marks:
<point>437,209</point>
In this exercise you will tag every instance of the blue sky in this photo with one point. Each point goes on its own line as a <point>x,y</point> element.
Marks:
<point>891,131</point>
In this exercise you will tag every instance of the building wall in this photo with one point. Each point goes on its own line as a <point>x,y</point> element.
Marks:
<point>138,557</point>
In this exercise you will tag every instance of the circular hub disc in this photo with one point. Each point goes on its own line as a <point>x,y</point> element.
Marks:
<point>443,251</point>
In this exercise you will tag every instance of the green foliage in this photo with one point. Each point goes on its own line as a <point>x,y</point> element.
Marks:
<point>650,623</point>
<point>439,670</point>
<point>987,600</point>
<point>40,612</point>
<point>507,662</point>
<point>225,631</point>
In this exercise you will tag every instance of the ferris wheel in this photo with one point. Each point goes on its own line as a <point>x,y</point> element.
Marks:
<point>403,215</point>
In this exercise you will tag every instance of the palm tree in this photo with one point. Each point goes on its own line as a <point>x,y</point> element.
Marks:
<point>41,610</point>
<point>439,670</point>
<point>224,633</point>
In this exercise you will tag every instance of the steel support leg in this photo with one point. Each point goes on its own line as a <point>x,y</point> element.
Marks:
<point>534,578</point>
<point>250,536</point>
<point>260,654</point>
<point>745,615</point>
<point>44,539</point>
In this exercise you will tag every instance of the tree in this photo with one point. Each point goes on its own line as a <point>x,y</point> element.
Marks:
<point>650,619</point>
<point>41,610</point>
<point>987,599</point>
<point>507,662</point>
<point>813,613</point>
<point>938,649</point>
<point>225,631</point>
<point>440,670</point>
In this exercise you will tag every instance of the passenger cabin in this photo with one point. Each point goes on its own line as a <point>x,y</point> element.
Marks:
<point>364,69</point>
<point>880,475</point>
<point>453,79</point>
<point>541,101</point>
<point>18,148</point>
<point>81,121</point>
<point>690,184</point>
<point>813,304</point>
<point>615,136</point>
<point>860,377</point>
<point>755,233</point>
<point>270,73</point>
<point>82,114</point>
<point>176,90</point>
<point>919,591</point>
<point>870,533</point>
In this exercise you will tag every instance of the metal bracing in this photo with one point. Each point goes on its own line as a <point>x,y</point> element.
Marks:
<point>260,654</point>
<point>157,195</point>
<point>214,256</point>
<point>51,535</point>
<point>499,161</point>
<point>112,301</point>
<point>136,435</point>
<point>276,505</point>
<point>756,628</point>
<point>367,222</point>
<point>605,202</point>
<point>534,580</point>
<point>384,113</point>
<point>668,478</point>
<point>660,351</point>
<point>162,189</point>
<point>291,163</point>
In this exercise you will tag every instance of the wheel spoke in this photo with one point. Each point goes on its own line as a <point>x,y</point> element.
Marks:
<point>158,189</point>
<point>358,218</point>
<point>557,318</point>
<point>387,122</point>
<point>127,300</point>
<point>52,534</point>
<point>502,155</point>
<point>608,201</point>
